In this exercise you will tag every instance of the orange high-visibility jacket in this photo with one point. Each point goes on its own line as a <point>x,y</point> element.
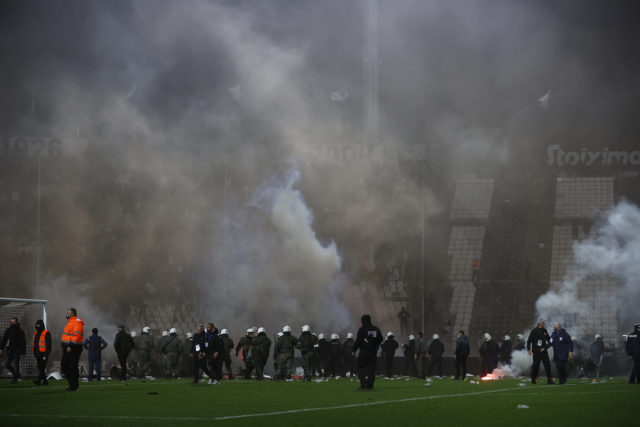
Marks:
<point>73,332</point>
<point>42,342</point>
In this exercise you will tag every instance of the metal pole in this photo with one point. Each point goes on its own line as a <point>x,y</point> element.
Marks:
<point>422,241</point>
<point>38,223</point>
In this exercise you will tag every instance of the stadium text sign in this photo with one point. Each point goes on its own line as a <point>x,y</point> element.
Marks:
<point>556,156</point>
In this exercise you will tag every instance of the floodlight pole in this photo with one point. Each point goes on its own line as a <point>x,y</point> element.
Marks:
<point>422,240</point>
<point>38,222</point>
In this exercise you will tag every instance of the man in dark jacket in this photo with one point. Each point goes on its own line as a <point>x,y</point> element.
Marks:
<point>213,346</point>
<point>596,352</point>
<point>15,345</point>
<point>389,347</point>
<point>41,349</point>
<point>260,350</point>
<point>409,351</point>
<point>323,355</point>
<point>537,345</point>
<point>436,350</point>
<point>227,346</point>
<point>123,344</point>
<point>284,348</point>
<point>562,350</point>
<point>305,345</point>
<point>349,362</point>
<point>335,355</point>
<point>95,344</point>
<point>491,350</point>
<point>461,354</point>
<point>505,350</point>
<point>367,342</point>
<point>520,343</point>
<point>244,345</point>
<point>199,355</point>
<point>632,347</point>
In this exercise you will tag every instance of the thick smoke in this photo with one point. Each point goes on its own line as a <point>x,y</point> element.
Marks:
<point>611,250</point>
<point>271,267</point>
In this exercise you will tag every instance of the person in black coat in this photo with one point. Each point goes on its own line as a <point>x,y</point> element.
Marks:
<point>15,345</point>
<point>409,351</point>
<point>335,355</point>
<point>367,342</point>
<point>436,350</point>
<point>461,354</point>
<point>199,354</point>
<point>632,347</point>
<point>537,345</point>
<point>123,345</point>
<point>41,349</point>
<point>348,362</point>
<point>95,344</point>
<point>505,350</point>
<point>323,355</point>
<point>389,347</point>
<point>213,348</point>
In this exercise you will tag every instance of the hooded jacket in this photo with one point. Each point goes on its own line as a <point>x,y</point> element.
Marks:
<point>369,337</point>
<point>14,339</point>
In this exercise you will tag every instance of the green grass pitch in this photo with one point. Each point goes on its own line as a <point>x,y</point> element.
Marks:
<point>335,402</point>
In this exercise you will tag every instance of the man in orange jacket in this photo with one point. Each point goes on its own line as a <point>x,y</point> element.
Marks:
<point>72,340</point>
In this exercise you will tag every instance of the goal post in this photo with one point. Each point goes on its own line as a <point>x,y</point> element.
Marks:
<point>27,311</point>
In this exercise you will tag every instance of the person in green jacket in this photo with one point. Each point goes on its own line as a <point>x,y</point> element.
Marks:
<point>285,346</point>
<point>144,348</point>
<point>260,352</point>
<point>244,345</point>
<point>186,366</point>
<point>172,349</point>
<point>305,345</point>
<point>227,346</point>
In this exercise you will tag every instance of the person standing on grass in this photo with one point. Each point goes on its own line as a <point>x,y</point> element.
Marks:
<point>95,344</point>
<point>199,355</point>
<point>367,342</point>
<point>172,349</point>
<point>71,342</point>
<point>409,351</point>
<point>421,355</point>
<point>537,345</point>
<point>562,350</point>
<point>227,346</point>
<point>389,347</point>
<point>461,354</point>
<point>305,346</point>
<point>15,345</point>
<point>260,351</point>
<point>349,363</point>
<point>632,348</point>
<point>41,349</point>
<point>123,344</point>
<point>244,345</point>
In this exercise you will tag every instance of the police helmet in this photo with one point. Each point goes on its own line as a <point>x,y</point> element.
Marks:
<point>250,330</point>
<point>173,331</point>
<point>487,337</point>
<point>306,328</point>
<point>389,334</point>
<point>224,332</point>
<point>146,329</point>
<point>320,336</point>
<point>435,336</point>
<point>165,333</point>
<point>349,335</point>
<point>280,334</point>
<point>520,336</point>
<point>286,328</point>
<point>597,336</point>
<point>261,330</point>
<point>335,337</point>
<point>411,337</point>
<point>507,338</point>
<point>133,334</point>
<point>189,335</point>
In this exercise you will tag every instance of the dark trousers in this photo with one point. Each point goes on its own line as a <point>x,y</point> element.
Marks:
<point>69,365</point>
<point>422,365</point>
<point>540,356</point>
<point>349,365</point>
<point>227,366</point>
<point>248,368</point>
<point>435,361</point>
<point>410,362</point>
<point>12,363</point>
<point>334,366</point>
<point>635,371</point>
<point>461,365</point>
<point>366,368</point>
<point>200,363</point>
<point>122,358</point>
<point>259,364</point>
<point>492,362</point>
<point>388,364</point>
<point>215,366</point>
<point>95,363</point>
<point>41,361</point>
<point>562,371</point>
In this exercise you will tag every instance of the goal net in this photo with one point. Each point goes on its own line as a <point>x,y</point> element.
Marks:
<point>27,311</point>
